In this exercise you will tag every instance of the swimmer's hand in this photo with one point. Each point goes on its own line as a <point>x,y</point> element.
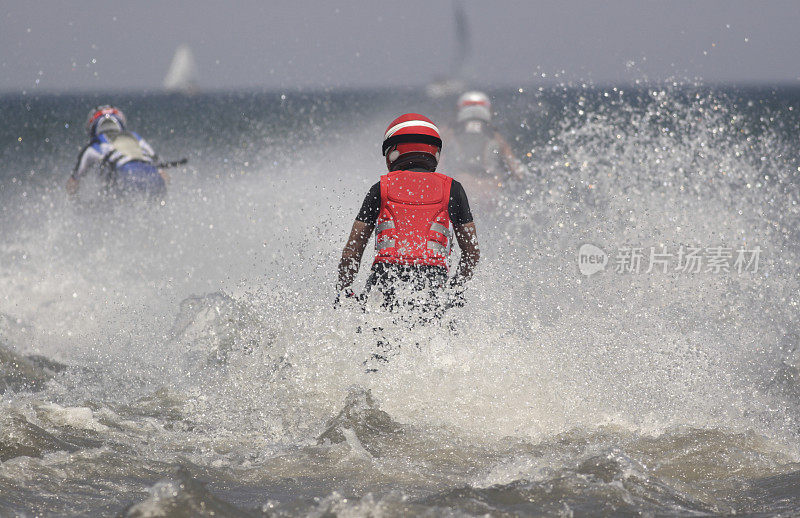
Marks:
<point>72,187</point>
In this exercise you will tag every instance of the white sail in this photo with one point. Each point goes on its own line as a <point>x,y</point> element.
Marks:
<point>182,74</point>
<point>454,83</point>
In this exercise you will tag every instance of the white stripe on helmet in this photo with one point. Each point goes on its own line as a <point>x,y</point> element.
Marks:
<point>397,127</point>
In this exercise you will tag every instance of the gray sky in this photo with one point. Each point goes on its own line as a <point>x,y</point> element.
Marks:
<point>94,45</point>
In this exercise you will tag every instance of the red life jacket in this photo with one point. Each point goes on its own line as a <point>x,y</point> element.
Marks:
<point>413,226</point>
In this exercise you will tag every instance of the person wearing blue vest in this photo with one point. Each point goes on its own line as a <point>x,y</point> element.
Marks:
<point>123,159</point>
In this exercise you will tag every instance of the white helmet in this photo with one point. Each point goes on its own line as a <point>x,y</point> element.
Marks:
<point>474,106</point>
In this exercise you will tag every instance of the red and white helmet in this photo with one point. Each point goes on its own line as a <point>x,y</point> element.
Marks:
<point>474,106</point>
<point>102,113</point>
<point>412,138</point>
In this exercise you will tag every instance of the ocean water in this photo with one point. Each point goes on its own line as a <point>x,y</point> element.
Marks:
<point>186,360</point>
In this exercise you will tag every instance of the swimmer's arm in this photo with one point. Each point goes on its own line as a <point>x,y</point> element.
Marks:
<point>147,149</point>
<point>351,255</point>
<point>72,186</point>
<point>88,159</point>
<point>467,237</point>
<point>514,165</point>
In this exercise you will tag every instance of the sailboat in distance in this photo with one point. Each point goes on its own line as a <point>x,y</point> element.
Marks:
<point>454,84</point>
<point>182,74</point>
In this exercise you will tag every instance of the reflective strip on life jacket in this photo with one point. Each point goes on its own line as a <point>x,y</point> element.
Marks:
<point>437,247</point>
<point>386,225</point>
<point>438,227</point>
<point>382,242</point>
<point>385,243</point>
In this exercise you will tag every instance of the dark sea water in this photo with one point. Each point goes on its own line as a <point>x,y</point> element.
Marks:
<point>185,359</point>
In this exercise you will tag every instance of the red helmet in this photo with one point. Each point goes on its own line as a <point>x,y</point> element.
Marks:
<point>104,112</point>
<point>412,139</point>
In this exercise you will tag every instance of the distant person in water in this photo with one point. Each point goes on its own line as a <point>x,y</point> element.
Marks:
<point>412,210</point>
<point>478,148</point>
<point>122,158</point>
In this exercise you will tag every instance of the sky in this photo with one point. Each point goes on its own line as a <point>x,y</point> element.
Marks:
<point>88,45</point>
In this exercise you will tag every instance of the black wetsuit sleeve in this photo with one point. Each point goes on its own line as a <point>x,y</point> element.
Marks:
<point>460,214</point>
<point>371,206</point>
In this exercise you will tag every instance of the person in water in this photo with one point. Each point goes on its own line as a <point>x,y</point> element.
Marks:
<point>480,151</point>
<point>412,210</point>
<point>122,158</point>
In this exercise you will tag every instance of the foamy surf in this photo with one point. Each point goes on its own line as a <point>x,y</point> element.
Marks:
<point>186,360</point>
